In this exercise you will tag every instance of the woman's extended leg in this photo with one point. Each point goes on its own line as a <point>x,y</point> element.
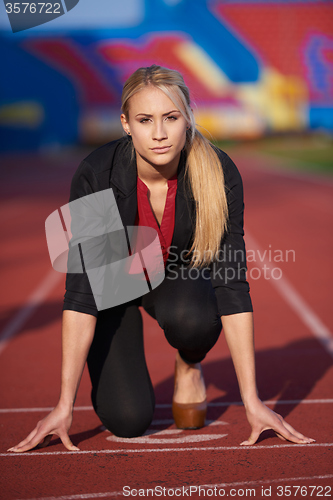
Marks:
<point>122,392</point>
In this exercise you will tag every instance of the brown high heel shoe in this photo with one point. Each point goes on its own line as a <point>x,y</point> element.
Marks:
<point>189,415</point>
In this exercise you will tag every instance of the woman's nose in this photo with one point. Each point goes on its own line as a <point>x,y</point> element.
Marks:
<point>159,131</point>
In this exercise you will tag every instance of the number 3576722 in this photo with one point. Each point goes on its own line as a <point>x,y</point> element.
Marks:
<point>32,8</point>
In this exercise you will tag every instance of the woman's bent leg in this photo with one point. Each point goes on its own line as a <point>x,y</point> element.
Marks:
<point>122,392</point>
<point>186,309</point>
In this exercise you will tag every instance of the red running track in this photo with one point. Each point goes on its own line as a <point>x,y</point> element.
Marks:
<point>286,216</point>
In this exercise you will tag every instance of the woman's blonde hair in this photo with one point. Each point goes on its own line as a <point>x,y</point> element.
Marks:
<point>203,167</point>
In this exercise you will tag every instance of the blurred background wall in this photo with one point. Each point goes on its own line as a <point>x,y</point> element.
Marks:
<point>253,67</point>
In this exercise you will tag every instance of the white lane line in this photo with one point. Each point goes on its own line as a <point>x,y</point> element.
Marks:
<point>222,403</point>
<point>208,486</point>
<point>170,421</point>
<point>164,450</point>
<point>152,437</point>
<point>37,410</point>
<point>281,402</point>
<point>295,301</point>
<point>35,299</point>
<point>82,496</point>
<point>268,481</point>
<point>277,402</point>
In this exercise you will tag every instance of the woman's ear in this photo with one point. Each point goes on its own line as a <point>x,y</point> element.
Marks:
<point>125,124</point>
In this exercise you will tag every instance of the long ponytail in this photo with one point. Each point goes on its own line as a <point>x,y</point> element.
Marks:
<point>203,168</point>
<point>206,178</point>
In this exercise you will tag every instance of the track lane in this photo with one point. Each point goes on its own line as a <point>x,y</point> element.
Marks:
<point>285,350</point>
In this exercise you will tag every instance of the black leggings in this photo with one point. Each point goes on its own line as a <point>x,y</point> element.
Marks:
<point>122,392</point>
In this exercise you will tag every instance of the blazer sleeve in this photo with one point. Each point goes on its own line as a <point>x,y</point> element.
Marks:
<point>228,272</point>
<point>78,296</point>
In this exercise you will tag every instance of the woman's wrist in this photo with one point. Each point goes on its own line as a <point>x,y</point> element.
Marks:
<point>250,400</point>
<point>66,404</point>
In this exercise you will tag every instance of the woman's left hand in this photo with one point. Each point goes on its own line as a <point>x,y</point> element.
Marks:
<point>262,418</point>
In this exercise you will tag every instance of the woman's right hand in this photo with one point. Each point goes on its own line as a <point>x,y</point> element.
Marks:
<point>57,422</point>
<point>77,334</point>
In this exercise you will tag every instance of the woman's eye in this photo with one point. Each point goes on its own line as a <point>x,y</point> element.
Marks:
<point>168,118</point>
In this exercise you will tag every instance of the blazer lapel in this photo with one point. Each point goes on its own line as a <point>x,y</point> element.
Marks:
<point>123,182</point>
<point>185,213</point>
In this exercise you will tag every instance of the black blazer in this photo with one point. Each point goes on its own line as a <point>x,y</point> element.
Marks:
<point>114,166</point>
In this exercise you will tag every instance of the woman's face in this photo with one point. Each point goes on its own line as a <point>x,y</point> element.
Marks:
<point>157,127</point>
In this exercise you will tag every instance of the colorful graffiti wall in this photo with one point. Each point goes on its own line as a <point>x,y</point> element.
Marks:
<point>252,67</point>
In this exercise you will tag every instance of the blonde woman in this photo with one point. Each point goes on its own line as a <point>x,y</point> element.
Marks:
<point>166,175</point>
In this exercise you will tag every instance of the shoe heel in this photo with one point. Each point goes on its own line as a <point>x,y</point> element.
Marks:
<point>189,416</point>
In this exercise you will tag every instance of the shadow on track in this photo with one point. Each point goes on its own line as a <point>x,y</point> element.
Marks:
<point>285,373</point>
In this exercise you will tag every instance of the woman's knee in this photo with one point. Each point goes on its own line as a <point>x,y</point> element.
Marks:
<point>190,328</point>
<point>126,422</point>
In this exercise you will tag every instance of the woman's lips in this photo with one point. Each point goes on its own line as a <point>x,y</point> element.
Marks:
<point>161,150</point>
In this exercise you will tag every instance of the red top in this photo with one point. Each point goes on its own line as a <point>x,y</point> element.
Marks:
<point>146,216</point>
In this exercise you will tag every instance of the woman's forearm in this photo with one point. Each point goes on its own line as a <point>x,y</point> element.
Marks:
<point>77,334</point>
<point>238,330</point>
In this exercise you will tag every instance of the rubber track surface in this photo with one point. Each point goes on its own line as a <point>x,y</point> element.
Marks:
<point>283,212</point>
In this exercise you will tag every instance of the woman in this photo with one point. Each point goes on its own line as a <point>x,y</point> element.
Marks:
<point>166,175</point>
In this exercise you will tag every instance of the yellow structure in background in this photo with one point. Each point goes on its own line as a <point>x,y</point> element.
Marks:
<point>204,68</point>
<point>276,103</point>
<point>281,100</point>
<point>23,114</point>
